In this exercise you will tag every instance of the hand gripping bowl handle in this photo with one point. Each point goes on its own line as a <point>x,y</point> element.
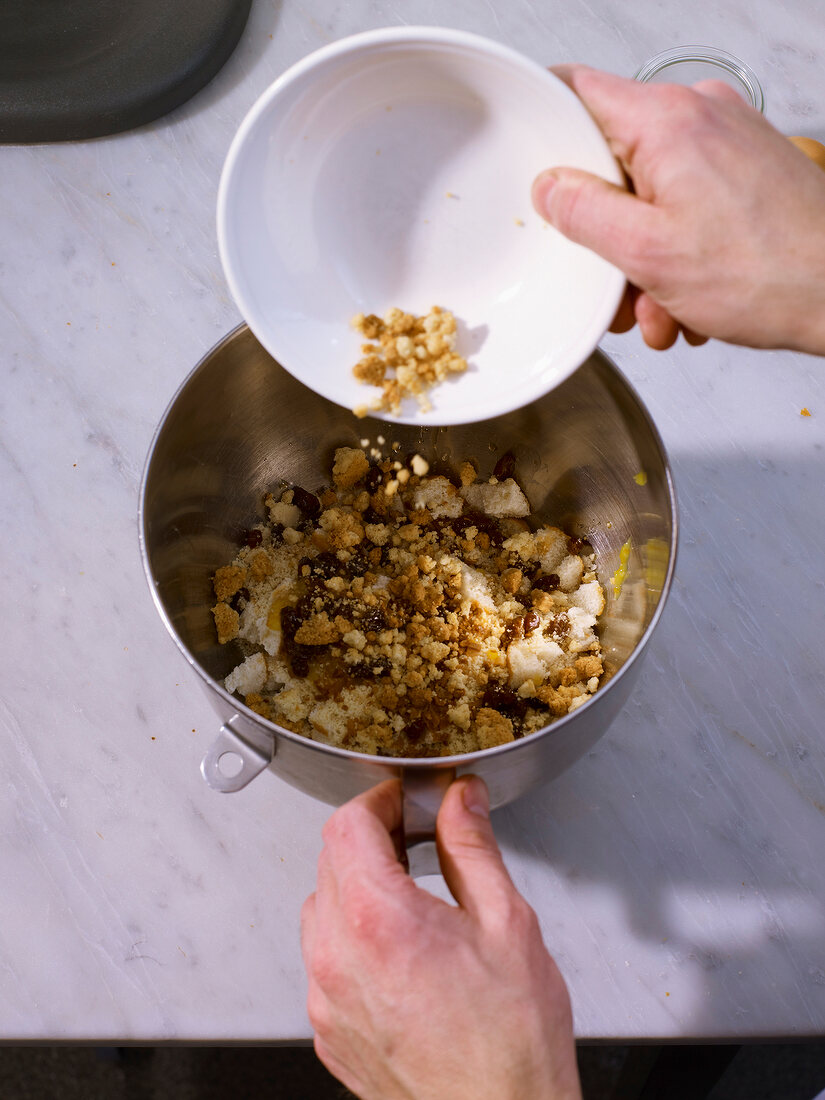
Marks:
<point>423,793</point>
<point>240,752</point>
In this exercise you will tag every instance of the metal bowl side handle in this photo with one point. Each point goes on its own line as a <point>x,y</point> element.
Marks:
<point>249,748</point>
<point>423,793</point>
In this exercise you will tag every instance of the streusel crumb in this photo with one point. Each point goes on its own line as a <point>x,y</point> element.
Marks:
<point>407,357</point>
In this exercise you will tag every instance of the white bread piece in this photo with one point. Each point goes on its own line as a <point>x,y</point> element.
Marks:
<point>503,498</point>
<point>533,658</point>
<point>589,596</point>
<point>288,515</point>
<point>440,497</point>
<point>547,546</point>
<point>248,676</point>
<point>569,571</point>
<point>329,718</point>
<point>475,588</point>
<point>580,635</point>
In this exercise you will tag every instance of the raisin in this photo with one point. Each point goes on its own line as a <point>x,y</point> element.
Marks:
<point>241,594</point>
<point>374,619</point>
<point>371,516</point>
<point>574,545</point>
<point>297,654</point>
<point>507,701</point>
<point>498,697</point>
<point>358,564</point>
<point>512,632</point>
<point>253,537</point>
<point>415,729</point>
<point>309,504</point>
<point>373,479</point>
<point>546,582</point>
<point>530,621</point>
<point>505,467</point>
<point>325,565</point>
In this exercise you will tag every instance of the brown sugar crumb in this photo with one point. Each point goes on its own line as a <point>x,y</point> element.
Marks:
<point>228,580</point>
<point>349,467</point>
<point>317,630</point>
<point>408,356</point>
<point>227,622</point>
<point>492,728</point>
<point>259,565</point>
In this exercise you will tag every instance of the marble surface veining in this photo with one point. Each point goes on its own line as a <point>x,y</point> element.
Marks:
<point>678,869</point>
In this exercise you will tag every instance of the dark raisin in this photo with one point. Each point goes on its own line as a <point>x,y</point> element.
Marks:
<point>574,545</point>
<point>309,504</point>
<point>253,537</point>
<point>326,565</point>
<point>415,729</point>
<point>373,479</point>
<point>297,654</point>
<point>241,596</point>
<point>358,564</point>
<point>512,632</point>
<point>371,516</point>
<point>291,620</point>
<point>530,621</point>
<point>498,697</point>
<point>505,467</point>
<point>546,582</point>
<point>380,666</point>
<point>508,702</point>
<point>374,619</point>
<point>300,665</point>
<point>304,608</point>
<point>486,524</point>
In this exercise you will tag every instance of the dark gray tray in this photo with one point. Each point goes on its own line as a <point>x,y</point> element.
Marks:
<point>76,69</point>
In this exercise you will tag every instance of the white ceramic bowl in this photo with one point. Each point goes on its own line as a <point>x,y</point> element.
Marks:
<point>393,168</point>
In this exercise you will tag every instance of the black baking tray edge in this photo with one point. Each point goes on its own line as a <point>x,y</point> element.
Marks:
<point>77,69</point>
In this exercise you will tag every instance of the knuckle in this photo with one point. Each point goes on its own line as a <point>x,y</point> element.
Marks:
<point>366,920</point>
<point>343,823</point>
<point>514,918</point>
<point>318,1011</point>
<point>326,970</point>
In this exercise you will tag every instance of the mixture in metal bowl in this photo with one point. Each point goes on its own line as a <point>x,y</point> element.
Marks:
<point>406,613</point>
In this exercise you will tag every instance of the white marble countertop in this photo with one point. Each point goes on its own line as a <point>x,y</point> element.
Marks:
<point>678,869</point>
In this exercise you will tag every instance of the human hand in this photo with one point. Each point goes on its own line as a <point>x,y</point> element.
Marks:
<point>413,998</point>
<point>725,234</point>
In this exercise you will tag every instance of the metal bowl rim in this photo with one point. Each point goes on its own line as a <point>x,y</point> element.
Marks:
<point>273,729</point>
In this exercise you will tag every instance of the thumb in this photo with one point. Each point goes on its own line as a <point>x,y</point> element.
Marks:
<point>470,858</point>
<point>596,214</point>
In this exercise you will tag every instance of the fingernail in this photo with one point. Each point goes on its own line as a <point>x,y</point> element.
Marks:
<point>542,186</point>
<point>476,797</point>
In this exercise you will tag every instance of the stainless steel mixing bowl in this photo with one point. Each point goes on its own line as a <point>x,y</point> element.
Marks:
<point>587,456</point>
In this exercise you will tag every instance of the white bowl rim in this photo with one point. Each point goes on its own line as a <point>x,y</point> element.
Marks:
<point>427,35</point>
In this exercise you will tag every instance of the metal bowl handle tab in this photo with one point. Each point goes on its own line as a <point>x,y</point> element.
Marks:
<point>423,793</point>
<point>236,756</point>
